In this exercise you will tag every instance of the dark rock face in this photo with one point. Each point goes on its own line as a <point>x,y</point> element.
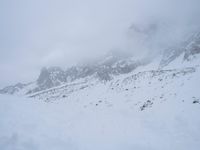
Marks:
<point>189,48</point>
<point>44,74</point>
<point>51,77</point>
<point>114,63</point>
<point>193,47</point>
<point>171,54</point>
<point>12,89</point>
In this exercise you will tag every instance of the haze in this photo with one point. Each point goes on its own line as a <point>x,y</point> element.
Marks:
<point>37,33</point>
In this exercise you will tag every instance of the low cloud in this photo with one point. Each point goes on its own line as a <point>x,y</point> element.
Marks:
<point>48,33</point>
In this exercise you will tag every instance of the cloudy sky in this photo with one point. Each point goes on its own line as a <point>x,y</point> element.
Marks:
<point>37,33</point>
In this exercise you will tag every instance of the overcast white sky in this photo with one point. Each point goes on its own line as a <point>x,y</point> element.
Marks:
<point>37,33</point>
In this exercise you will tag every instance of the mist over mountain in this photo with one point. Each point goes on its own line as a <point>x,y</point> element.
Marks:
<point>110,65</point>
<point>63,33</point>
<point>113,102</point>
<point>99,75</point>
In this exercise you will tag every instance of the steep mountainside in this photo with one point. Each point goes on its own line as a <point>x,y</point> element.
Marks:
<point>147,108</point>
<point>55,82</point>
<point>116,103</point>
<point>103,69</point>
<point>189,48</point>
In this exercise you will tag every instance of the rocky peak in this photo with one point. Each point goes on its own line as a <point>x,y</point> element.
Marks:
<point>13,88</point>
<point>189,48</point>
<point>193,47</point>
<point>50,77</point>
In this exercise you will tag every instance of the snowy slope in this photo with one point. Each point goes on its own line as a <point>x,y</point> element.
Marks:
<point>152,106</point>
<point>133,115</point>
<point>112,64</point>
<point>152,109</point>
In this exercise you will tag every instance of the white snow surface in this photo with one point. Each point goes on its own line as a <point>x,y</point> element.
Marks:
<point>143,110</point>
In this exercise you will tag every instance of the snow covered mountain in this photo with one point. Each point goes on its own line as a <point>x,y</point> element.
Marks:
<point>107,69</point>
<point>114,103</point>
<point>104,68</point>
<point>189,48</point>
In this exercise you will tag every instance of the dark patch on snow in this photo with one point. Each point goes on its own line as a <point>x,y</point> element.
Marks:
<point>148,103</point>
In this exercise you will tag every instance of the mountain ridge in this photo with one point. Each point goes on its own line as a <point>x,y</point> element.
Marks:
<point>107,68</point>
